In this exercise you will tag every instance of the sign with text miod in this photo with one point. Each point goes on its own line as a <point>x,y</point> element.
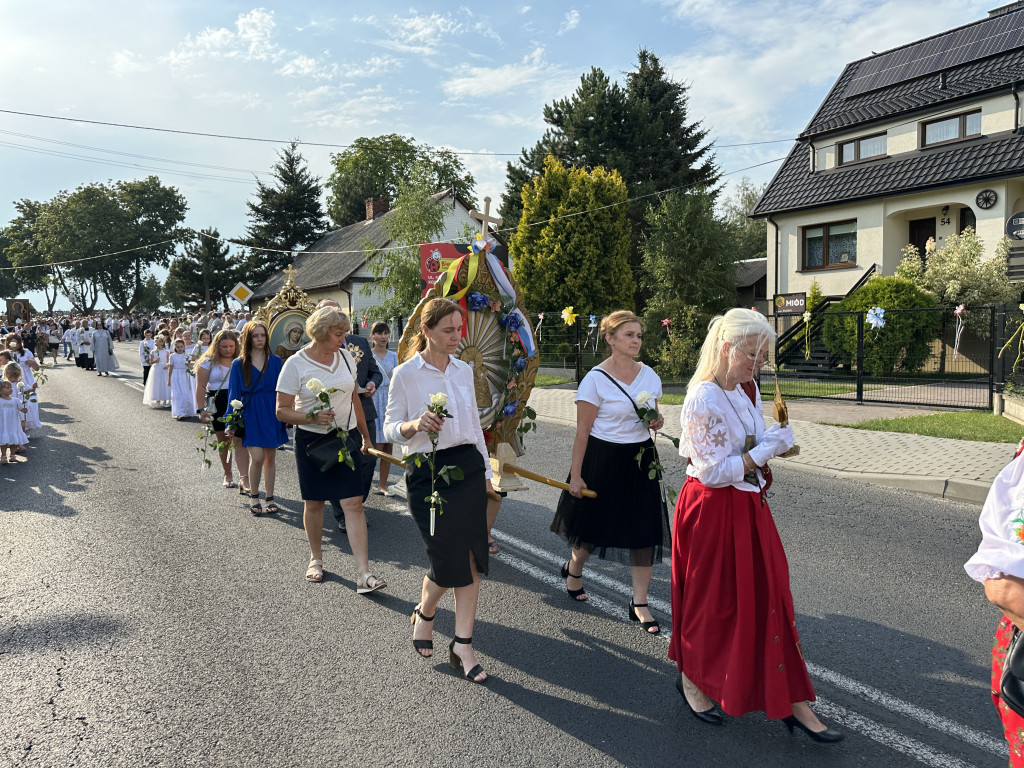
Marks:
<point>790,303</point>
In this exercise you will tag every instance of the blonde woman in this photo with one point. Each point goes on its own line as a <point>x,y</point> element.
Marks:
<point>734,636</point>
<point>213,371</point>
<point>456,540</point>
<point>327,361</point>
<point>626,521</point>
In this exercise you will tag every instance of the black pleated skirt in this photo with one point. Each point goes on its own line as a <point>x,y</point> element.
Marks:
<point>462,530</point>
<point>628,521</point>
<point>339,482</point>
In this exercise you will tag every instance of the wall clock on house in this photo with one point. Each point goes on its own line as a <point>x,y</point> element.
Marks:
<point>986,199</point>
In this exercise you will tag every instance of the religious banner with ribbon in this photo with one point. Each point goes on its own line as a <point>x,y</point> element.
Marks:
<point>498,339</point>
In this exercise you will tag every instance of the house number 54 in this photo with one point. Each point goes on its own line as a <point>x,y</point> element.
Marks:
<point>945,221</point>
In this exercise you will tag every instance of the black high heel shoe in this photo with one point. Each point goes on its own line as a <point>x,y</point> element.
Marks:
<point>644,625</point>
<point>574,594</point>
<point>456,662</point>
<point>828,736</point>
<point>710,716</point>
<point>421,645</point>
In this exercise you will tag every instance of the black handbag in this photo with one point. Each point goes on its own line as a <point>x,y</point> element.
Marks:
<point>323,451</point>
<point>1011,685</point>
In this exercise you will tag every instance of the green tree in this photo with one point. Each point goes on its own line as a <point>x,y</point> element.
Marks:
<point>112,235</point>
<point>149,297</point>
<point>203,274</point>
<point>286,216</point>
<point>22,251</point>
<point>955,274</point>
<point>10,286</point>
<point>640,130</point>
<point>750,234</point>
<point>417,217</point>
<point>377,166</point>
<point>903,344</point>
<point>581,261</point>
<point>686,275</point>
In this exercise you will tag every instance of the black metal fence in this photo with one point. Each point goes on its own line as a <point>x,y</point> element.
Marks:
<point>918,357</point>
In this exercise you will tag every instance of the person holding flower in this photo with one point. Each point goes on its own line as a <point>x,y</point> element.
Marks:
<point>387,361</point>
<point>734,636</point>
<point>317,392</point>
<point>213,370</point>
<point>612,455</point>
<point>252,394</point>
<point>432,414</point>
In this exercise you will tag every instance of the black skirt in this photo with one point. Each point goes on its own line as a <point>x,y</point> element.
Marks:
<point>628,520</point>
<point>462,530</point>
<point>220,401</point>
<point>339,482</point>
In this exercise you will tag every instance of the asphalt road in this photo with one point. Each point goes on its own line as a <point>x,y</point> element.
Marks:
<point>146,619</point>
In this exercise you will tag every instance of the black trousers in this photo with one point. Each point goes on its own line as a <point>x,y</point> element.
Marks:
<point>145,373</point>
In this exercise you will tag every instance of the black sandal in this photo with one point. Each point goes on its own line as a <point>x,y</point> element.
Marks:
<point>574,593</point>
<point>422,645</point>
<point>456,662</point>
<point>254,506</point>
<point>644,625</point>
<point>272,508</point>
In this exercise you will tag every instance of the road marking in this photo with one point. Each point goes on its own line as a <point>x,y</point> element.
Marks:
<point>868,727</point>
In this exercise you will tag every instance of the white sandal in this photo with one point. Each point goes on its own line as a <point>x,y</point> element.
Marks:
<point>363,586</point>
<point>315,571</point>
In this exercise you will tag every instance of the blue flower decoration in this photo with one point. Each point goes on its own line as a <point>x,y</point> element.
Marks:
<point>512,322</point>
<point>476,301</point>
<point>520,363</point>
<point>510,409</point>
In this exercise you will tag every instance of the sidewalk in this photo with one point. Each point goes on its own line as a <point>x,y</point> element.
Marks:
<point>953,469</point>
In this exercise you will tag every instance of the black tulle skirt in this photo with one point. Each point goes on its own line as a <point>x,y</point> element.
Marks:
<point>628,521</point>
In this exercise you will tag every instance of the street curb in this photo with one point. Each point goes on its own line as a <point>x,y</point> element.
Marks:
<point>952,488</point>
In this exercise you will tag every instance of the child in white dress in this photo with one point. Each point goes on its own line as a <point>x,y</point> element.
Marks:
<point>24,394</point>
<point>158,391</point>
<point>11,433</point>
<point>183,389</point>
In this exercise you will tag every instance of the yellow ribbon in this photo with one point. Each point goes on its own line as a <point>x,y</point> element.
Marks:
<point>452,273</point>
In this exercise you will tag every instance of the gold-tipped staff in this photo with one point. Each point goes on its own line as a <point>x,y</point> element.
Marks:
<point>507,468</point>
<point>781,414</point>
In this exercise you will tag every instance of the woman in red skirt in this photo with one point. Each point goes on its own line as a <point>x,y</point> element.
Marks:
<point>734,634</point>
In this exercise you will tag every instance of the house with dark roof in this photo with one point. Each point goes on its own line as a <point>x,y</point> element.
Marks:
<point>918,142</point>
<point>336,266</point>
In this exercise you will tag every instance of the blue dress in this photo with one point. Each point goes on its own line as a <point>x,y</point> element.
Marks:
<point>262,429</point>
<point>380,397</point>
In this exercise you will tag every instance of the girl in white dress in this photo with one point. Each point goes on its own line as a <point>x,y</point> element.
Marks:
<point>158,392</point>
<point>180,383</point>
<point>24,395</point>
<point>11,434</point>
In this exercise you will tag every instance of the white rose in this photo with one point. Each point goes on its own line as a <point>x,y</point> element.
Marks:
<point>439,400</point>
<point>643,397</point>
<point>236,404</point>
<point>315,386</point>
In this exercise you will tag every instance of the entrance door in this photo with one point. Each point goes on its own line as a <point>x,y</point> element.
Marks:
<point>920,231</point>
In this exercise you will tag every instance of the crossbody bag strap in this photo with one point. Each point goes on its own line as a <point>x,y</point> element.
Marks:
<point>622,390</point>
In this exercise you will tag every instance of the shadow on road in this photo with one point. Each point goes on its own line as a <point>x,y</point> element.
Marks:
<point>59,633</point>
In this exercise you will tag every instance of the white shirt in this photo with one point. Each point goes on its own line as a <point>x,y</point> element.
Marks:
<point>300,368</point>
<point>715,423</point>
<point>616,420</point>
<point>146,347</point>
<point>218,375</point>
<point>412,384</point>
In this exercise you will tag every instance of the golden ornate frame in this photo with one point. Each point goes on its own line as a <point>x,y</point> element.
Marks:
<point>289,298</point>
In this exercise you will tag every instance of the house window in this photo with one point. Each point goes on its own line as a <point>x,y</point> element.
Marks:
<point>867,148</point>
<point>952,128</point>
<point>967,219</point>
<point>830,246</point>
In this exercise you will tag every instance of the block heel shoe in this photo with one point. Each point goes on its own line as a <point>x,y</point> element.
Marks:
<point>646,626</point>
<point>421,645</point>
<point>456,662</point>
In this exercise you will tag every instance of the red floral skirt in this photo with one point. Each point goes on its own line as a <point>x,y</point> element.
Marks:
<point>733,624</point>
<point>1013,724</point>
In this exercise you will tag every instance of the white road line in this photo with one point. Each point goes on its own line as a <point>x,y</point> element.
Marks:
<point>868,727</point>
<point>888,737</point>
<point>931,719</point>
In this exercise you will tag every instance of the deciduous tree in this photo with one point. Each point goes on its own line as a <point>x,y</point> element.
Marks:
<point>751,235</point>
<point>203,274</point>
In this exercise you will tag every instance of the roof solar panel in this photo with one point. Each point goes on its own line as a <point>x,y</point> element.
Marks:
<point>959,46</point>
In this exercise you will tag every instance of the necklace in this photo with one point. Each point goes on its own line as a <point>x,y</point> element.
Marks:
<point>749,440</point>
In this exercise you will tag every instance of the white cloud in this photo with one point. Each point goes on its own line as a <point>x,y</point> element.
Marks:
<point>524,9</point>
<point>126,63</point>
<point>233,99</point>
<point>416,34</point>
<point>356,114</point>
<point>481,82</point>
<point>375,66</point>
<point>306,66</point>
<point>570,22</point>
<point>249,41</point>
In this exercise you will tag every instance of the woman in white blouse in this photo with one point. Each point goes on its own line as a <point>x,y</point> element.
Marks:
<point>327,360</point>
<point>734,636</point>
<point>213,370</point>
<point>611,456</point>
<point>456,539</point>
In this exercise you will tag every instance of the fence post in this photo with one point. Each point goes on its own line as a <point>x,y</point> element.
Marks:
<point>991,357</point>
<point>860,357</point>
<point>579,349</point>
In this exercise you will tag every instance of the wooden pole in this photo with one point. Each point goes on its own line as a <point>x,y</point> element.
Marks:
<point>398,462</point>
<point>514,470</point>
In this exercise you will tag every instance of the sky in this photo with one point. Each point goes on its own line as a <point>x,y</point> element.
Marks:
<point>472,78</point>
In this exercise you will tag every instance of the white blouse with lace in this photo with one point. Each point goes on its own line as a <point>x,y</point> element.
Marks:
<point>715,423</point>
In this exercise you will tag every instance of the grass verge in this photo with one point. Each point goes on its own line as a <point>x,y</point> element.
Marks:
<point>544,380</point>
<point>979,426</point>
<point>789,389</point>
